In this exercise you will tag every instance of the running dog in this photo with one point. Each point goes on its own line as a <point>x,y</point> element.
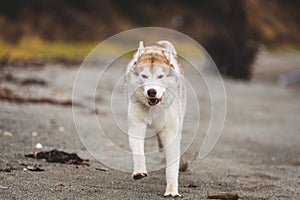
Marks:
<point>157,98</point>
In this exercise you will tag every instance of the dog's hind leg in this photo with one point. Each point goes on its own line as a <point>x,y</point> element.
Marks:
<point>136,141</point>
<point>160,144</point>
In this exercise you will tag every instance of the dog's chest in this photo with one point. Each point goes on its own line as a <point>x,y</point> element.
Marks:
<point>156,114</point>
<point>160,117</point>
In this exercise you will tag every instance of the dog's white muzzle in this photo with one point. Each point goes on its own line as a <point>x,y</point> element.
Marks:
<point>153,93</point>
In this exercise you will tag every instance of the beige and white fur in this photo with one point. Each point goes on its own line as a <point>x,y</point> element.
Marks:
<point>156,94</point>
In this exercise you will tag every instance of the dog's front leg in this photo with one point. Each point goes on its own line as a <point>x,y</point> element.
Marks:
<point>136,141</point>
<point>172,146</point>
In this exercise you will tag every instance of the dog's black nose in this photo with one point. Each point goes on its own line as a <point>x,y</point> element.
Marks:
<point>151,92</point>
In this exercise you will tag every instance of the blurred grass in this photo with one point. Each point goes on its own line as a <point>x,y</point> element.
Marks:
<point>38,49</point>
<point>284,49</point>
<point>33,48</point>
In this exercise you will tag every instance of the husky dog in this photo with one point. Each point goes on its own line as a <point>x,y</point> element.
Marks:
<point>156,96</point>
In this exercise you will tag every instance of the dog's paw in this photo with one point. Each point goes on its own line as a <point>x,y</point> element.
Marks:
<point>172,194</point>
<point>172,190</point>
<point>139,175</point>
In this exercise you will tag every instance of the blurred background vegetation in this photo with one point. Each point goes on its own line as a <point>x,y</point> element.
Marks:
<point>232,31</point>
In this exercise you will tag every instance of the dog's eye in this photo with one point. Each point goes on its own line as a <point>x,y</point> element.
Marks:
<point>144,76</point>
<point>160,76</point>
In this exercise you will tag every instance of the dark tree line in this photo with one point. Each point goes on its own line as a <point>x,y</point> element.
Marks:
<point>223,27</point>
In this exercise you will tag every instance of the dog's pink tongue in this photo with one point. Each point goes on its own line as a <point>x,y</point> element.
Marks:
<point>153,102</point>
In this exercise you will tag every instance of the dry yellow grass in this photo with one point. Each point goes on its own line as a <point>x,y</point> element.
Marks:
<point>35,48</point>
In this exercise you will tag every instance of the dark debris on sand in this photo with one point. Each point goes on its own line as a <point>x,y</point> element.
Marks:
<point>59,157</point>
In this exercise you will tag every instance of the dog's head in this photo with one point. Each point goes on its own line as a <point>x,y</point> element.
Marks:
<point>155,72</point>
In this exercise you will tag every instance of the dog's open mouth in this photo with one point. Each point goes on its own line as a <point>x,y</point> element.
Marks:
<point>154,101</point>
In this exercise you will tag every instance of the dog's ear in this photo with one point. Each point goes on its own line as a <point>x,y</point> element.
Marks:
<point>139,51</point>
<point>171,54</point>
<point>168,45</point>
<point>137,54</point>
<point>141,46</point>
